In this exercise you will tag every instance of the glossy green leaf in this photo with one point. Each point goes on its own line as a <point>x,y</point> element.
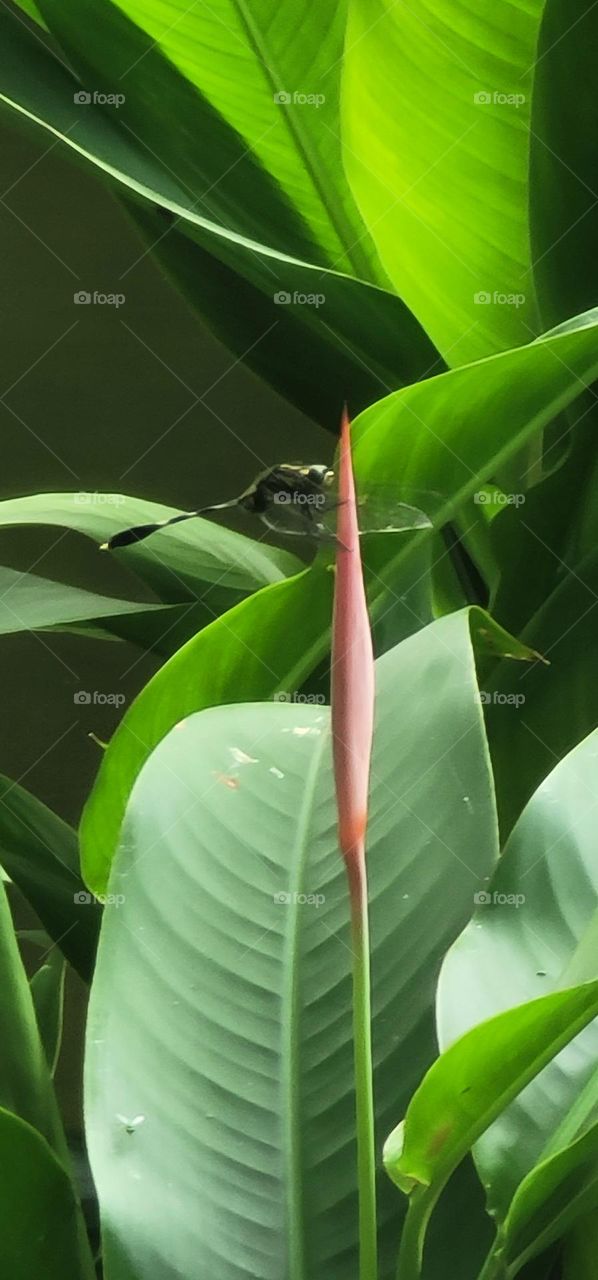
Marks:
<point>41,1231</point>
<point>359,336</point>
<point>232,1033</point>
<point>25,1085</point>
<point>47,989</point>
<point>535,718</point>
<point>579,1254</point>
<point>472,1082</point>
<point>196,556</point>
<point>255,67</point>
<point>39,852</point>
<point>31,603</point>
<point>551,1200</point>
<point>436,121</point>
<point>428,437</point>
<point>264,648</point>
<point>563,157</point>
<point>534,931</point>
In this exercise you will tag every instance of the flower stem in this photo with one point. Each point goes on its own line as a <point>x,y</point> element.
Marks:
<point>364,1089</point>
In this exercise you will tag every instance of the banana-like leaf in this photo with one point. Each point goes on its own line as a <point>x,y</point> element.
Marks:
<point>534,931</point>
<point>31,603</point>
<point>553,1198</point>
<point>39,852</point>
<point>47,989</point>
<point>219,1095</point>
<point>41,1230</point>
<point>436,104</point>
<point>563,160</point>
<point>579,1254</point>
<point>320,321</point>
<point>474,1079</point>
<point>273,76</point>
<point>429,437</point>
<point>534,719</point>
<point>196,559</point>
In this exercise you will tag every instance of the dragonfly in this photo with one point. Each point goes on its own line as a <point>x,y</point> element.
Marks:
<point>296,499</point>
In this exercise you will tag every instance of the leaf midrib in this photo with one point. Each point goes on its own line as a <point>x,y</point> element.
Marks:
<point>290,1030</point>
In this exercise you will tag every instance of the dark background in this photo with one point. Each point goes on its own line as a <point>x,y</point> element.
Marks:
<point>102,399</point>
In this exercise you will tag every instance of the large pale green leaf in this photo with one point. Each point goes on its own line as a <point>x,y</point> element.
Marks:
<point>221,1008</point>
<point>41,1231</point>
<point>534,931</point>
<point>357,338</point>
<point>39,852</point>
<point>437,152</point>
<point>266,646</point>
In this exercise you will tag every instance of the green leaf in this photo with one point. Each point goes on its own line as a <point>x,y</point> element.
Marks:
<point>535,718</point>
<point>31,603</point>
<point>176,562</point>
<point>579,1255</point>
<point>265,647</point>
<point>221,1008</point>
<point>553,1197</point>
<point>266,52</point>
<point>25,1085</point>
<point>41,1231</point>
<point>359,337</point>
<point>440,177</point>
<point>534,931</point>
<point>39,851</point>
<point>47,989</point>
<point>473,1081</point>
<point>563,158</point>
